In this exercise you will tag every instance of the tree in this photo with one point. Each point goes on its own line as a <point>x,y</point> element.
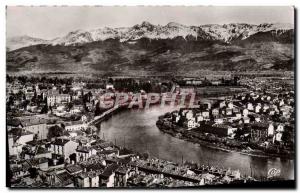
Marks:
<point>55,131</point>
<point>44,110</point>
<point>50,108</point>
<point>70,105</point>
<point>286,137</point>
<point>110,80</point>
<point>72,157</point>
<point>33,172</point>
<point>238,133</point>
<point>88,131</point>
<point>34,98</point>
<point>97,110</point>
<point>87,97</point>
<point>145,155</point>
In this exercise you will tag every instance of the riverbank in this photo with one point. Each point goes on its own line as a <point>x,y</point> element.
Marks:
<point>181,133</point>
<point>137,128</point>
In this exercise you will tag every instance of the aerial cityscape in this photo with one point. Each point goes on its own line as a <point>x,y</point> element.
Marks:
<point>151,105</point>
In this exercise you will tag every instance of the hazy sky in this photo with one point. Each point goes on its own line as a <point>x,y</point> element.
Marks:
<point>51,22</point>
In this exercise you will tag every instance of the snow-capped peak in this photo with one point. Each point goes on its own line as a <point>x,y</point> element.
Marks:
<point>229,32</point>
<point>74,37</point>
<point>226,33</point>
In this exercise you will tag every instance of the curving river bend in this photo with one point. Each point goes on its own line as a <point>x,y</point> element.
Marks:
<point>137,128</point>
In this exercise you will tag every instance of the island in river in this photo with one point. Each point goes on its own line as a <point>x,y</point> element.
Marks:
<point>165,124</point>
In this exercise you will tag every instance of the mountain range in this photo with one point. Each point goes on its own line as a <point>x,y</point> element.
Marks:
<point>146,47</point>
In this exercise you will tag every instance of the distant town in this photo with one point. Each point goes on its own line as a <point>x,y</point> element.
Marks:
<point>259,122</point>
<point>54,141</point>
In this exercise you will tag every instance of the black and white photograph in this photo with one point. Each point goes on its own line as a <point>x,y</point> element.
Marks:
<point>150,97</point>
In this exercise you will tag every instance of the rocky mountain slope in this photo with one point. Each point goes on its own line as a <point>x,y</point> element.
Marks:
<point>154,48</point>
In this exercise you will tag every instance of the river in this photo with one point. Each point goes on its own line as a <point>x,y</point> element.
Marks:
<point>136,128</point>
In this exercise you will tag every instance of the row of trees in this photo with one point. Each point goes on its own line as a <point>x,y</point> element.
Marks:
<point>58,131</point>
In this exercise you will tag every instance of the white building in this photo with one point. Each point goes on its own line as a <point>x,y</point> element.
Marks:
<point>280,128</point>
<point>109,86</point>
<point>54,99</point>
<point>230,105</point>
<point>271,130</point>
<point>191,124</point>
<point>199,118</point>
<point>257,108</point>
<point>222,104</point>
<point>215,112</point>
<point>250,106</point>
<point>84,152</point>
<point>205,114</point>
<point>278,136</point>
<point>63,147</point>
<point>36,125</point>
<point>246,119</point>
<point>189,115</point>
<point>219,120</point>
<point>75,126</point>
<point>245,112</point>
